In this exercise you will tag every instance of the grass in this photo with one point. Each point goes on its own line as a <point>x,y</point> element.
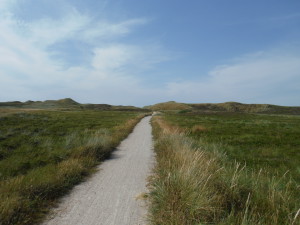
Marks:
<point>259,141</point>
<point>200,178</point>
<point>44,153</point>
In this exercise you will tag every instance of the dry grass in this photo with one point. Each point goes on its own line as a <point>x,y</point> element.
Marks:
<point>191,185</point>
<point>9,111</point>
<point>26,192</point>
<point>199,129</point>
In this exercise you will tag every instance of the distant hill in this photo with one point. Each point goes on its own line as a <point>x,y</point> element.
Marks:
<point>169,106</point>
<point>62,103</point>
<point>66,103</point>
<point>112,107</point>
<point>226,107</point>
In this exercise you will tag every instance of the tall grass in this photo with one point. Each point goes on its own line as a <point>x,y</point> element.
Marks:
<point>32,179</point>
<point>261,141</point>
<point>195,183</point>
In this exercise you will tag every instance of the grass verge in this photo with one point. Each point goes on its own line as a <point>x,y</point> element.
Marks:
<point>195,183</point>
<point>45,153</point>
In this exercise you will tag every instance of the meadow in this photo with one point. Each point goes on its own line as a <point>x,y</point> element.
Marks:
<point>257,140</point>
<point>226,168</point>
<point>43,153</point>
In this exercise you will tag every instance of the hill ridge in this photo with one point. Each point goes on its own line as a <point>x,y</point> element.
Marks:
<point>66,103</point>
<point>226,107</point>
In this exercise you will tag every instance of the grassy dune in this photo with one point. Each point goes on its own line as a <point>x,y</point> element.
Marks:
<point>225,107</point>
<point>44,153</point>
<point>66,104</point>
<point>200,179</point>
<point>169,106</point>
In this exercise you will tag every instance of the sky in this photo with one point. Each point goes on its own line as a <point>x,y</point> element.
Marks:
<point>133,52</point>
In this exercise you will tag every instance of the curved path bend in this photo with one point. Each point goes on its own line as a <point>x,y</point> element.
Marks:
<point>112,196</point>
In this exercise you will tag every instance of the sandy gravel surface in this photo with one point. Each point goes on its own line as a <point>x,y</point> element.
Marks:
<point>112,195</point>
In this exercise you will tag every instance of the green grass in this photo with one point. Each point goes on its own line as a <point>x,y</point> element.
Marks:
<point>218,168</point>
<point>260,141</point>
<point>44,153</point>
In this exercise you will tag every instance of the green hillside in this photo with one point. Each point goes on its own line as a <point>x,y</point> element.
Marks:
<point>226,107</point>
<point>66,103</point>
<point>169,106</point>
<point>62,103</point>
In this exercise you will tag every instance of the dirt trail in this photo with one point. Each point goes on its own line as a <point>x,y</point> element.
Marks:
<point>112,195</point>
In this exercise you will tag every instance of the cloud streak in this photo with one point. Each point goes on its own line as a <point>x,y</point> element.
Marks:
<point>29,70</point>
<point>264,77</point>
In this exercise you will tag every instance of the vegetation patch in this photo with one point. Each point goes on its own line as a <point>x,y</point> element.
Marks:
<point>169,106</point>
<point>66,104</point>
<point>44,153</point>
<point>195,181</point>
<point>225,107</point>
<point>259,141</point>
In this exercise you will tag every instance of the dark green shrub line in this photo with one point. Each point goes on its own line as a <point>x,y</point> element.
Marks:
<point>195,183</point>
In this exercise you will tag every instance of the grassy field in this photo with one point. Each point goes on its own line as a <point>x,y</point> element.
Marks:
<point>44,153</point>
<point>260,141</point>
<point>226,168</point>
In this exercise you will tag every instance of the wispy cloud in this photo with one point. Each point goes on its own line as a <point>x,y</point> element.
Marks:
<point>29,70</point>
<point>49,31</point>
<point>263,77</point>
<point>5,5</point>
<point>109,30</point>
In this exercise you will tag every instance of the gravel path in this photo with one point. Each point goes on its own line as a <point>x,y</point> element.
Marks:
<point>112,196</point>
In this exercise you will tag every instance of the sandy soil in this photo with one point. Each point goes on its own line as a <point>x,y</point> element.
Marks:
<point>113,194</point>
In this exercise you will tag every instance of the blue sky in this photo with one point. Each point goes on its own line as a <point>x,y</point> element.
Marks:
<point>132,52</point>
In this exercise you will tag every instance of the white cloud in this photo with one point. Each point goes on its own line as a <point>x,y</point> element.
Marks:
<point>107,30</point>
<point>5,5</point>
<point>78,26</point>
<point>27,70</point>
<point>257,78</point>
<point>113,57</point>
<point>49,31</point>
